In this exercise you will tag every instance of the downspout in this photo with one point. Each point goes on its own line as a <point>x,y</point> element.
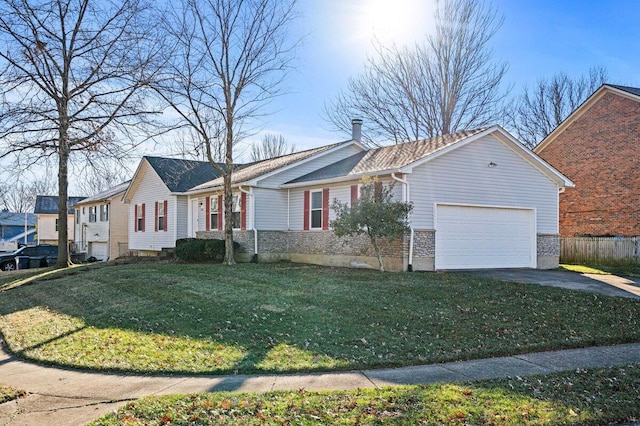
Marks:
<point>405,198</point>
<point>254,259</point>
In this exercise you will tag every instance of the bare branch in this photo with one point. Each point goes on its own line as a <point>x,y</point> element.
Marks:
<point>445,84</point>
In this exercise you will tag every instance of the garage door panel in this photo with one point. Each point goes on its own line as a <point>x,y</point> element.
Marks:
<point>99,250</point>
<point>482,237</point>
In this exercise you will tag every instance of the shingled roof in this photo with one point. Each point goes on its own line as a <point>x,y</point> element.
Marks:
<point>48,204</point>
<point>180,175</point>
<point>386,158</point>
<point>17,219</point>
<point>632,90</point>
<point>106,194</point>
<point>260,168</point>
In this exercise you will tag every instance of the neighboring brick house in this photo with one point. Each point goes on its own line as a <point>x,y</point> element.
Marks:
<point>598,148</point>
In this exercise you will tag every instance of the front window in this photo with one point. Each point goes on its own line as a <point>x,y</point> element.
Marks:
<point>161,215</point>
<point>104,212</point>
<point>140,217</point>
<point>316,209</point>
<point>56,225</point>
<point>236,215</point>
<point>77,211</point>
<point>214,213</point>
<point>92,214</point>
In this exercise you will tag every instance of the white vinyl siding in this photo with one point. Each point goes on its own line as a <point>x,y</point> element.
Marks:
<point>310,166</point>
<point>180,217</point>
<point>342,192</point>
<point>462,176</point>
<point>271,214</point>
<point>151,189</point>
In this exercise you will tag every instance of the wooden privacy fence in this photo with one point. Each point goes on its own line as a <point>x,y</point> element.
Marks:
<point>600,250</point>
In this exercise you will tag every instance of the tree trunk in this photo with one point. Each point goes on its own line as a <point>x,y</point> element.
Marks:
<point>63,232</point>
<point>374,242</point>
<point>228,197</point>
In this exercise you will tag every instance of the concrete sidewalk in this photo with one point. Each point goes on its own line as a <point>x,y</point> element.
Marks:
<point>68,397</point>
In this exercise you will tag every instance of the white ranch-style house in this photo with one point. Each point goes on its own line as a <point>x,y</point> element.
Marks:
<point>480,200</point>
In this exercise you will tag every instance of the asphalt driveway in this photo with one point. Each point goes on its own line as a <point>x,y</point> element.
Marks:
<point>610,285</point>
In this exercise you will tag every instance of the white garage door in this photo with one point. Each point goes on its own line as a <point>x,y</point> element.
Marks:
<point>99,250</point>
<point>484,237</point>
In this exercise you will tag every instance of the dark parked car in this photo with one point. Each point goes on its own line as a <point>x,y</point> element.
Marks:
<point>41,255</point>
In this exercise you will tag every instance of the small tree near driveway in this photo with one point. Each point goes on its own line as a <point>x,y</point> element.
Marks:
<point>373,213</point>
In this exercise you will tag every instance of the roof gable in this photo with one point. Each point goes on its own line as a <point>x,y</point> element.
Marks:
<point>626,91</point>
<point>249,173</point>
<point>180,175</point>
<point>390,157</point>
<point>177,175</point>
<point>48,204</point>
<point>404,157</point>
<point>105,195</point>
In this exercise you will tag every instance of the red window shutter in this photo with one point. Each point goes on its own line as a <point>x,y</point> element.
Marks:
<point>207,212</point>
<point>135,223</point>
<point>219,212</point>
<point>377,190</point>
<point>325,208</point>
<point>306,210</point>
<point>166,215</point>
<point>143,217</point>
<point>354,192</point>
<point>243,210</point>
<point>156,216</point>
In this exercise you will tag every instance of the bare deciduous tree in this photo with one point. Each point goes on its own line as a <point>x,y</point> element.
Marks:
<point>445,84</point>
<point>270,146</point>
<point>537,112</point>
<point>230,61</point>
<point>19,196</point>
<point>71,70</point>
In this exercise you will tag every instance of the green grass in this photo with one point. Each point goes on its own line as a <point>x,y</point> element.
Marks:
<point>8,393</point>
<point>582,397</point>
<point>176,318</point>
<point>623,270</point>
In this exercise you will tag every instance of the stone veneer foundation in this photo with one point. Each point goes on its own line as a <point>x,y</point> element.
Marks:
<point>324,248</point>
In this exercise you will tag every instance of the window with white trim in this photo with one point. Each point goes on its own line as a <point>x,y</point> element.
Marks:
<point>213,212</point>
<point>236,214</point>
<point>316,209</point>
<point>92,213</point>
<point>140,217</point>
<point>104,212</point>
<point>161,215</point>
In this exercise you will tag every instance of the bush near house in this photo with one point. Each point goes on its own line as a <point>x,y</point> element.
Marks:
<point>201,250</point>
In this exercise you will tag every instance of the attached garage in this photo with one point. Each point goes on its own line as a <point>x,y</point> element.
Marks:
<point>476,237</point>
<point>99,250</point>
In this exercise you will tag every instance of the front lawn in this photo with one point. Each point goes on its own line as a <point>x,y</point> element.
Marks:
<point>582,397</point>
<point>177,318</point>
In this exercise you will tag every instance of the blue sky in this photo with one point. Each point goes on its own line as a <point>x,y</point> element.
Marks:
<point>538,38</point>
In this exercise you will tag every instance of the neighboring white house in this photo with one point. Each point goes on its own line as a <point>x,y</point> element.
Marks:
<point>481,200</point>
<point>101,224</point>
<point>46,210</point>
<point>157,204</point>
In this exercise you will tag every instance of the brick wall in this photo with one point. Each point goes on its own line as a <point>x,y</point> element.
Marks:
<point>600,153</point>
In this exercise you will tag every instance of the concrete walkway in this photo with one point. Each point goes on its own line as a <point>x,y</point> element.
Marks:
<point>67,397</point>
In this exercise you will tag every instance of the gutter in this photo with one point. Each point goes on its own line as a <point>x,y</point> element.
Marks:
<point>405,198</point>
<point>253,222</point>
